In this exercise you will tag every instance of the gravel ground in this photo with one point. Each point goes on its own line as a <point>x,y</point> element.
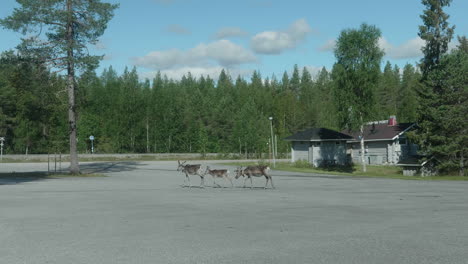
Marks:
<point>140,213</point>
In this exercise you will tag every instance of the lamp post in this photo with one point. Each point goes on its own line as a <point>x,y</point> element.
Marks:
<point>2,139</point>
<point>272,141</point>
<point>92,144</point>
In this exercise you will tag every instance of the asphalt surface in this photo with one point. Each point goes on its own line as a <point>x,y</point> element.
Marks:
<point>141,214</point>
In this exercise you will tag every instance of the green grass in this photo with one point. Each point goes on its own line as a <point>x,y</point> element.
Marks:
<point>392,172</point>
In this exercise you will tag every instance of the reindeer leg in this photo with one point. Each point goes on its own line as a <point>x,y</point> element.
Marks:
<point>202,184</point>
<point>266,184</point>
<point>251,183</point>
<point>245,179</point>
<point>226,179</point>
<point>214,182</point>
<point>188,178</point>
<point>271,182</point>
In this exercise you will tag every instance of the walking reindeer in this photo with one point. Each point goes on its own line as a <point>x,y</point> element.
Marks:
<point>257,171</point>
<point>191,169</point>
<point>219,174</point>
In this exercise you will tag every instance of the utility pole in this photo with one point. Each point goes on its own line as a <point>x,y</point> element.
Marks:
<point>272,141</point>
<point>2,139</point>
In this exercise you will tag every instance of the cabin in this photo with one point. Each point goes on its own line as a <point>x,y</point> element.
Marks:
<point>385,143</point>
<point>319,146</point>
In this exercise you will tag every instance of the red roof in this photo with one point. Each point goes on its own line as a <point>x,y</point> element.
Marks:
<point>380,131</point>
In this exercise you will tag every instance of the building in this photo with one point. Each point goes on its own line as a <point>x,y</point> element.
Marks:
<point>385,144</point>
<point>419,166</point>
<point>319,146</point>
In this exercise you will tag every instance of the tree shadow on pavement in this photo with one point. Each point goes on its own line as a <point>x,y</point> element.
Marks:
<point>107,167</point>
<point>10,178</point>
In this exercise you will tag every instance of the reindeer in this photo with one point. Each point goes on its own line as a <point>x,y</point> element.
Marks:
<point>219,174</point>
<point>191,169</point>
<point>257,171</point>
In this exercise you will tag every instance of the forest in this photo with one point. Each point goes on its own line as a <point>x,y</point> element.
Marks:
<point>199,115</point>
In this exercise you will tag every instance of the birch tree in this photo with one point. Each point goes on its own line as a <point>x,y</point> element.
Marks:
<point>355,76</point>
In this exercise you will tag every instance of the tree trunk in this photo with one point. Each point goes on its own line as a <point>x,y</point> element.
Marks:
<point>74,167</point>
<point>363,160</point>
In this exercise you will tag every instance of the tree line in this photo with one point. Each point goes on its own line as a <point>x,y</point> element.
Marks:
<point>126,115</point>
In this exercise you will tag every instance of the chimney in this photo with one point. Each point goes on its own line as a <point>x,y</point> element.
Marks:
<point>392,121</point>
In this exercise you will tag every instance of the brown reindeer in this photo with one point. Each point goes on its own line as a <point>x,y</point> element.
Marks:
<point>191,169</point>
<point>257,171</point>
<point>219,174</point>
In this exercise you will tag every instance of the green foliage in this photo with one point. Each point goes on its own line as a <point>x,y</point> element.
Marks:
<point>355,75</point>
<point>443,129</point>
<point>60,27</point>
<point>57,35</point>
<point>443,94</point>
<point>407,98</point>
<point>388,91</point>
<point>436,32</point>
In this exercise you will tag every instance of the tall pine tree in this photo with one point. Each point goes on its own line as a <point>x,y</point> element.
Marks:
<point>63,30</point>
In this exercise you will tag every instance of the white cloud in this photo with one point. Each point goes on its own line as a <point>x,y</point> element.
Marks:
<point>222,52</point>
<point>197,72</point>
<point>108,57</point>
<point>313,70</point>
<point>100,45</point>
<point>453,44</point>
<point>228,32</point>
<point>409,49</point>
<point>275,42</point>
<point>178,29</point>
<point>329,45</point>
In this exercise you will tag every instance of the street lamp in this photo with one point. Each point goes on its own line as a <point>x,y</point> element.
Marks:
<point>2,139</point>
<point>272,141</point>
<point>92,144</point>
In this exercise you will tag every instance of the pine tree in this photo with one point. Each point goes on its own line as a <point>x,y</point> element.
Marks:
<point>387,91</point>
<point>436,32</point>
<point>66,27</point>
<point>407,97</point>
<point>442,110</point>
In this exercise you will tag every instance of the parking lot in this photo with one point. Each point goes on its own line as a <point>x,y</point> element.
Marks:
<point>140,213</point>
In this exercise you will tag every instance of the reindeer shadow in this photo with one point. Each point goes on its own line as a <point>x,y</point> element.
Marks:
<point>194,187</point>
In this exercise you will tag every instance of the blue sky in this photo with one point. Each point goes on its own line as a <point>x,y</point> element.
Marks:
<point>204,36</point>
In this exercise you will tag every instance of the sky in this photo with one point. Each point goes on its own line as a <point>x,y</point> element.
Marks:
<point>271,36</point>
